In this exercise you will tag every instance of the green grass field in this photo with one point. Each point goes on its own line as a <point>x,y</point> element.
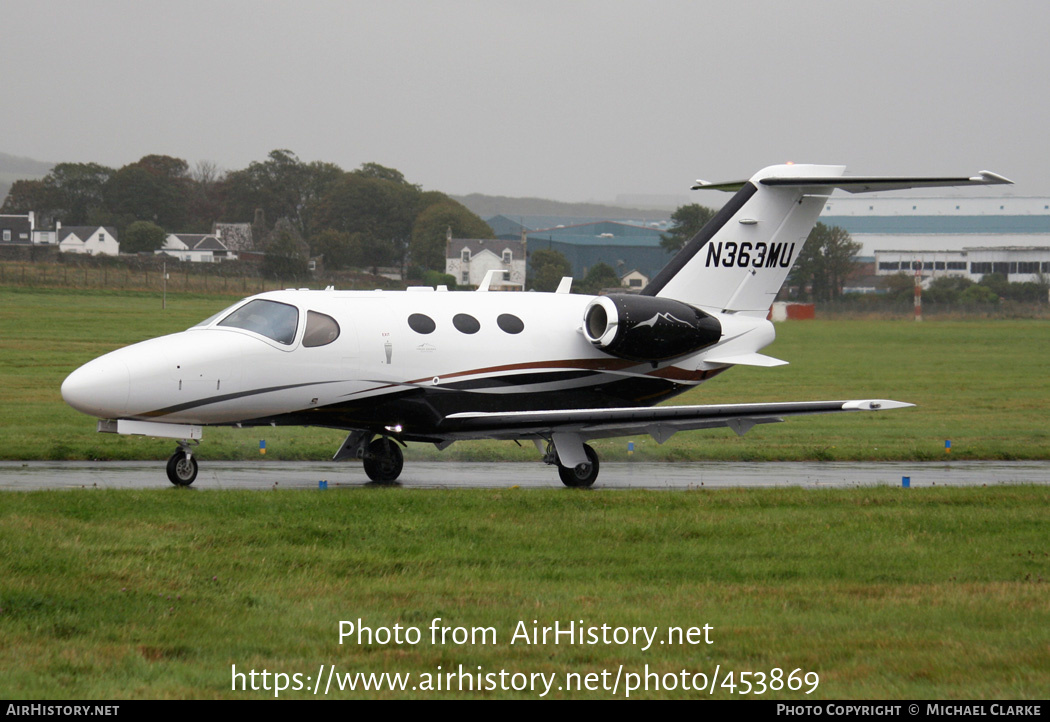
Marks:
<point>883,593</point>
<point>981,384</point>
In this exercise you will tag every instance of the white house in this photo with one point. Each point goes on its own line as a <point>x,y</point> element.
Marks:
<point>469,259</point>
<point>635,280</point>
<point>92,240</point>
<point>196,247</point>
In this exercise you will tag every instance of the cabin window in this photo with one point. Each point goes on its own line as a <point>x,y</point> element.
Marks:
<point>273,320</point>
<point>509,323</point>
<point>421,324</point>
<point>465,323</point>
<point>321,330</point>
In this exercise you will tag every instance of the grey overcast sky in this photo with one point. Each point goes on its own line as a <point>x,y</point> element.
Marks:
<point>559,99</point>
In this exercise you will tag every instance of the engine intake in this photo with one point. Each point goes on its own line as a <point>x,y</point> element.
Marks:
<point>646,328</point>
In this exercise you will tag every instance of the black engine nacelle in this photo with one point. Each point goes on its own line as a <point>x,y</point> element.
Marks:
<point>646,328</point>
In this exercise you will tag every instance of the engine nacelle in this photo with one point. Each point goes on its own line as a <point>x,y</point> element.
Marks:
<point>646,328</point>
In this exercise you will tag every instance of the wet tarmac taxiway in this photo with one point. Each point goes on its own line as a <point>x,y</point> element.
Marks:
<point>32,475</point>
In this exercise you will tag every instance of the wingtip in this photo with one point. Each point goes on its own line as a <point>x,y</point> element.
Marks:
<point>987,176</point>
<point>874,405</point>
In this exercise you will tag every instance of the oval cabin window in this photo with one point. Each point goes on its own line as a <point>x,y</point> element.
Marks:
<point>509,323</point>
<point>465,323</point>
<point>421,323</point>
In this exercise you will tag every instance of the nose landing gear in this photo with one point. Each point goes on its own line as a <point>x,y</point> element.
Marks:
<point>182,467</point>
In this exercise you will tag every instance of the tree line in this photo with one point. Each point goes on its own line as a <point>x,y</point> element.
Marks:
<point>368,217</point>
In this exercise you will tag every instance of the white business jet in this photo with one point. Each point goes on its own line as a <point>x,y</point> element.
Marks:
<point>427,365</point>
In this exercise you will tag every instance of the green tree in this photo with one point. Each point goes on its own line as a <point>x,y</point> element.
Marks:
<point>946,289</point>
<point>287,255</point>
<point>436,278</point>
<point>977,293</point>
<point>899,286</point>
<point>205,201</point>
<point>600,276</point>
<point>997,283</point>
<point>686,222</point>
<point>31,195</point>
<point>380,172</point>
<point>155,187</point>
<point>547,268</point>
<point>825,262</point>
<point>340,249</point>
<point>282,185</point>
<point>431,227</point>
<point>76,192</point>
<point>142,237</point>
<point>382,210</point>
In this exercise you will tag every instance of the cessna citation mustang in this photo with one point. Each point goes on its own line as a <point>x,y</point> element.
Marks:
<point>426,365</point>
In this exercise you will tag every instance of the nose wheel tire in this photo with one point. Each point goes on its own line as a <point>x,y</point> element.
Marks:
<point>582,475</point>
<point>182,468</point>
<point>383,460</point>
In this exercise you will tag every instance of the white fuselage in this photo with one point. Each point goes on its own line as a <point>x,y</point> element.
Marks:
<point>485,351</point>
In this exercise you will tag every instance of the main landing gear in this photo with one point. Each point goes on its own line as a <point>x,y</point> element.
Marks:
<point>580,476</point>
<point>182,467</point>
<point>383,460</point>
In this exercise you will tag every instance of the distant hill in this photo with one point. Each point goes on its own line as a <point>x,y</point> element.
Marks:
<point>13,167</point>
<point>489,206</point>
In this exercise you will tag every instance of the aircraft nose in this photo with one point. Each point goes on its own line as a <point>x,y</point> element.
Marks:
<point>99,388</point>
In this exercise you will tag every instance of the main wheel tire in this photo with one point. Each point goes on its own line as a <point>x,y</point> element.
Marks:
<point>582,475</point>
<point>182,469</point>
<point>383,460</point>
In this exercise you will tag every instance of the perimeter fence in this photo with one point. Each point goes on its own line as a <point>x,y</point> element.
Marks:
<point>227,278</point>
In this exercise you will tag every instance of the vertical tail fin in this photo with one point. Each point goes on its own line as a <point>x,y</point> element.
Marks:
<point>740,259</point>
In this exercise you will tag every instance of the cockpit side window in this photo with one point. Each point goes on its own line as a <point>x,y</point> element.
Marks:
<point>321,330</point>
<point>277,321</point>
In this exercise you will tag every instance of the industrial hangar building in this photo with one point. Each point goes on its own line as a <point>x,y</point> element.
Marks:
<point>954,236</point>
<point>966,236</point>
<point>626,246</point>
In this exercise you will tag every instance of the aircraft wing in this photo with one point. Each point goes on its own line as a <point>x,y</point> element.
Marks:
<point>660,422</point>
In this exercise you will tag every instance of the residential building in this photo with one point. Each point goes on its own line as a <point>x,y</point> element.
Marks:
<point>469,259</point>
<point>196,248</point>
<point>92,240</point>
<point>16,229</point>
<point>634,280</point>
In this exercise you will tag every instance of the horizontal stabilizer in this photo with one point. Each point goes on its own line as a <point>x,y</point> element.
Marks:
<point>863,184</point>
<point>875,183</point>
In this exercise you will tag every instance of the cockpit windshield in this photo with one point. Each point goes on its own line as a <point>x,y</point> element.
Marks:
<point>274,320</point>
<point>215,316</point>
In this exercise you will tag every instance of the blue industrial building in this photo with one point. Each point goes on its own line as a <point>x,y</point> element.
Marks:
<point>624,246</point>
